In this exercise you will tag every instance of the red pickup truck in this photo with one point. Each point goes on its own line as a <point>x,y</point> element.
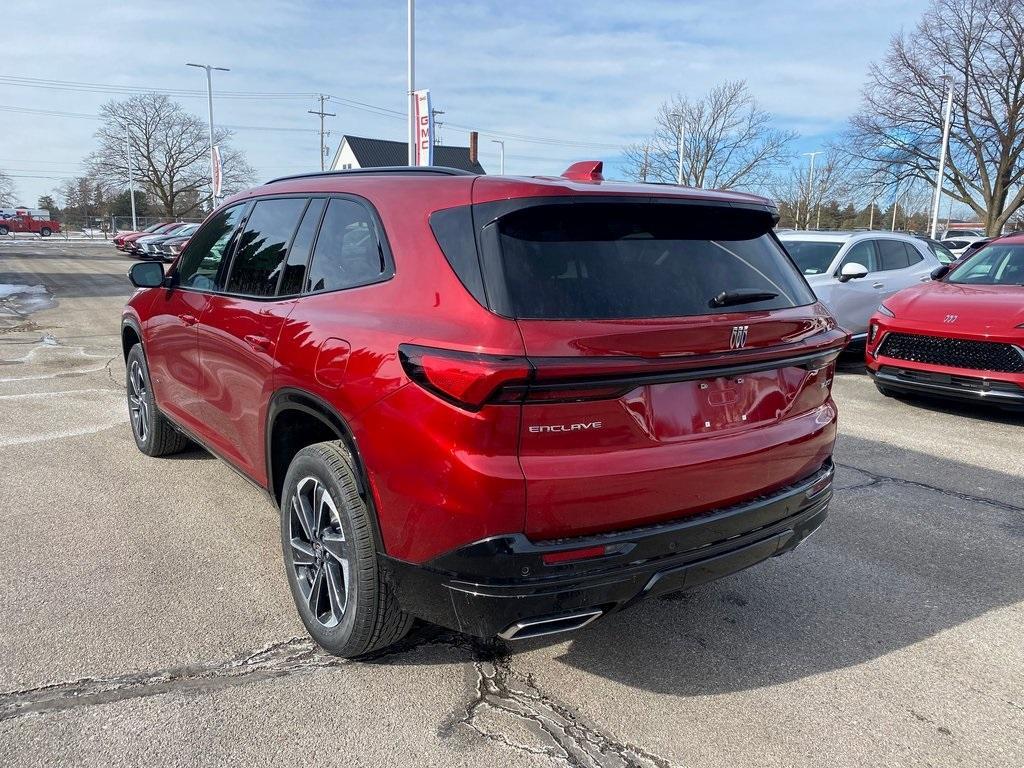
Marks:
<point>22,220</point>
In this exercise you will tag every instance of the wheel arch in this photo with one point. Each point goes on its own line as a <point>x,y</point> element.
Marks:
<point>289,402</point>
<point>131,334</point>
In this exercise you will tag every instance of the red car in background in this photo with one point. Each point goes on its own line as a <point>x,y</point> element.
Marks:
<point>960,336</point>
<point>121,239</point>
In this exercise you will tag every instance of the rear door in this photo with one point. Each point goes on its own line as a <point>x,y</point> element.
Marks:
<point>672,350</point>
<point>238,333</point>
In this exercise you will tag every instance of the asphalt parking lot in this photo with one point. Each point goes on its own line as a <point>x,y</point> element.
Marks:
<point>145,618</point>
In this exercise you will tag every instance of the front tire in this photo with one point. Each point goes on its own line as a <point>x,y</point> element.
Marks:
<point>4,230</point>
<point>884,390</point>
<point>153,433</point>
<point>45,232</point>
<point>330,556</point>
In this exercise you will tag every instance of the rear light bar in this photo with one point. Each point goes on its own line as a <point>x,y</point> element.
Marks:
<point>470,380</point>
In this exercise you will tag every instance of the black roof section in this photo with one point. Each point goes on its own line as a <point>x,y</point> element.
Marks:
<point>380,153</point>
<point>397,170</point>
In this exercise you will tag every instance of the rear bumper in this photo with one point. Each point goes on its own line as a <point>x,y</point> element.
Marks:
<point>501,585</point>
<point>958,386</point>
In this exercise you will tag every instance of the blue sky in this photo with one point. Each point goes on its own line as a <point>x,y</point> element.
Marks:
<point>589,73</point>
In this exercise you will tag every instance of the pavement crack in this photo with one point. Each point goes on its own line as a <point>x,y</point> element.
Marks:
<point>875,478</point>
<point>505,704</point>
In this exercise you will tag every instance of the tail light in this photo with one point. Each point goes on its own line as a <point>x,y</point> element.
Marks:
<point>466,379</point>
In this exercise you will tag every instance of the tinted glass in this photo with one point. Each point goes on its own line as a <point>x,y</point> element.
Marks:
<point>610,261</point>
<point>200,262</point>
<point>262,246</point>
<point>812,257</point>
<point>992,265</point>
<point>298,254</point>
<point>942,253</point>
<point>347,252</point>
<point>862,253</point>
<point>892,254</point>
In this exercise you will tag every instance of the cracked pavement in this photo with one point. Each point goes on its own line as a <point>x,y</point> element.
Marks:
<point>144,616</point>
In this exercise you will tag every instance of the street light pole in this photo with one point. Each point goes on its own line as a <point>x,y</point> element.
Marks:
<point>810,189</point>
<point>411,80</point>
<point>131,173</point>
<point>209,98</point>
<point>501,148</point>
<point>942,160</point>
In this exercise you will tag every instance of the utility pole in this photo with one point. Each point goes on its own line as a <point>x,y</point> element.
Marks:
<point>501,154</point>
<point>209,99</point>
<point>942,160</point>
<point>411,80</point>
<point>643,170</point>
<point>871,216</point>
<point>895,206</point>
<point>437,124</point>
<point>810,189</point>
<point>131,173</point>
<point>323,149</point>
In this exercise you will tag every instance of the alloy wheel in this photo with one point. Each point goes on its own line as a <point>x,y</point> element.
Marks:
<point>319,551</point>
<point>138,401</point>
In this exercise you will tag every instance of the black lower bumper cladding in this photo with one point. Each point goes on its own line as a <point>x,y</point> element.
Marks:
<point>502,585</point>
<point>973,388</point>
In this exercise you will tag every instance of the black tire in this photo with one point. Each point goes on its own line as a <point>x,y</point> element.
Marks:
<point>331,559</point>
<point>884,390</point>
<point>45,232</point>
<point>153,432</point>
<point>4,230</point>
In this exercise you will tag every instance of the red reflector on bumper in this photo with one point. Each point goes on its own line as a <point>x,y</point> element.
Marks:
<point>553,558</point>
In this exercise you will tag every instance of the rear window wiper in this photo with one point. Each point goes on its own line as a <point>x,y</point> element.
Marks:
<point>741,296</point>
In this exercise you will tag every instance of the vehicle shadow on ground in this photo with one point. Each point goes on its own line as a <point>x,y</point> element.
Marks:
<point>894,564</point>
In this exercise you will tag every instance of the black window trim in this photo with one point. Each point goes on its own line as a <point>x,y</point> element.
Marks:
<point>175,277</point>
<point>234,250</point>
<point>383,246</point>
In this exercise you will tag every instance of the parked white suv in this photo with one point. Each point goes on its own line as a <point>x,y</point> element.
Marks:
<point>853,272</point>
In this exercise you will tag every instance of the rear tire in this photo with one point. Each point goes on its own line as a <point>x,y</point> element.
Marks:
<point>330,556</point>
<point>45,232</point>
<point>153,432</point>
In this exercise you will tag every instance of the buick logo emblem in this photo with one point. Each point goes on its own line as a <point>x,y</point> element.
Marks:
<point>738,340</point>
<point>950,318</point>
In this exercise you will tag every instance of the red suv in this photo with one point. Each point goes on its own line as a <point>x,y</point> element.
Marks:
<point>504,405</point>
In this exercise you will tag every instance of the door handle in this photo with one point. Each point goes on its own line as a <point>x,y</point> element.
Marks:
<point>878,285</point>
<point>188,319</point>
<point>258,343</point>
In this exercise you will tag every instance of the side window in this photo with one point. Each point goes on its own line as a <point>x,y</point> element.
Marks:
<point>347,252</point>
<point>913,253</point>
<point>892,255</point>
<point>298,254</point>
<point>862,253</point>
<point>202,259</point>
<point>260,258</point>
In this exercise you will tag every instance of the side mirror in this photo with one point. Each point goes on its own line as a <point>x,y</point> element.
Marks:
<point>852,271</point>
<point>940,272</point>
<point>147,274</point>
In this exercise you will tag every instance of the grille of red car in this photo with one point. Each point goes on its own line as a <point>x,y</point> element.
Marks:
<point>955,353</point>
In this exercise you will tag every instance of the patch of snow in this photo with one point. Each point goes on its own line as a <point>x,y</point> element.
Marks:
<point>13,289</point>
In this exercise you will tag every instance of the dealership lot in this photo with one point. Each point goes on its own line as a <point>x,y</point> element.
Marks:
<point>146,617</point>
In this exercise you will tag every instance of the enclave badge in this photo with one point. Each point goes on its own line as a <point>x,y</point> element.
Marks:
<point>738,340</point>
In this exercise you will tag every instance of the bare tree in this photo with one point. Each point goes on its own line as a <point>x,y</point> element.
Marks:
<point>979,46</point>
<point>728,141</point>
<point>170,153</point>
<point>801,197</point>
<point>8,193</point>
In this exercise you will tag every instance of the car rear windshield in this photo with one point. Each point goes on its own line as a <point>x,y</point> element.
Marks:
<point>812,257</point>
<point>993,265</point>
<point>626,260</point>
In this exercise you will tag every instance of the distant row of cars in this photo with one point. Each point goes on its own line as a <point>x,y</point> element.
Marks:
<point>930,323</point>
<point>162,241</point>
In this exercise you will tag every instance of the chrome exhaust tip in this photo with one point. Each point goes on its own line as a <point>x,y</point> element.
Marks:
<point>551,626</point>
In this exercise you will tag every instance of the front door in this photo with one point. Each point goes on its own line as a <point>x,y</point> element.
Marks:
<point>856,300</point>
<point>172,351</point>
<point>238,334</point>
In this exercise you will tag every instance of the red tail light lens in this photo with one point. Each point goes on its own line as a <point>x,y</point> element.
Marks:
<point>464,378</point>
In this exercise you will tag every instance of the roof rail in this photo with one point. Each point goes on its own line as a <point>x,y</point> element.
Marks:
<point>397,170</point>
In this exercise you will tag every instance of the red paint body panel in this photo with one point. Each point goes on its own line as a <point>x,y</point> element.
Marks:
<point>442,476</point>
